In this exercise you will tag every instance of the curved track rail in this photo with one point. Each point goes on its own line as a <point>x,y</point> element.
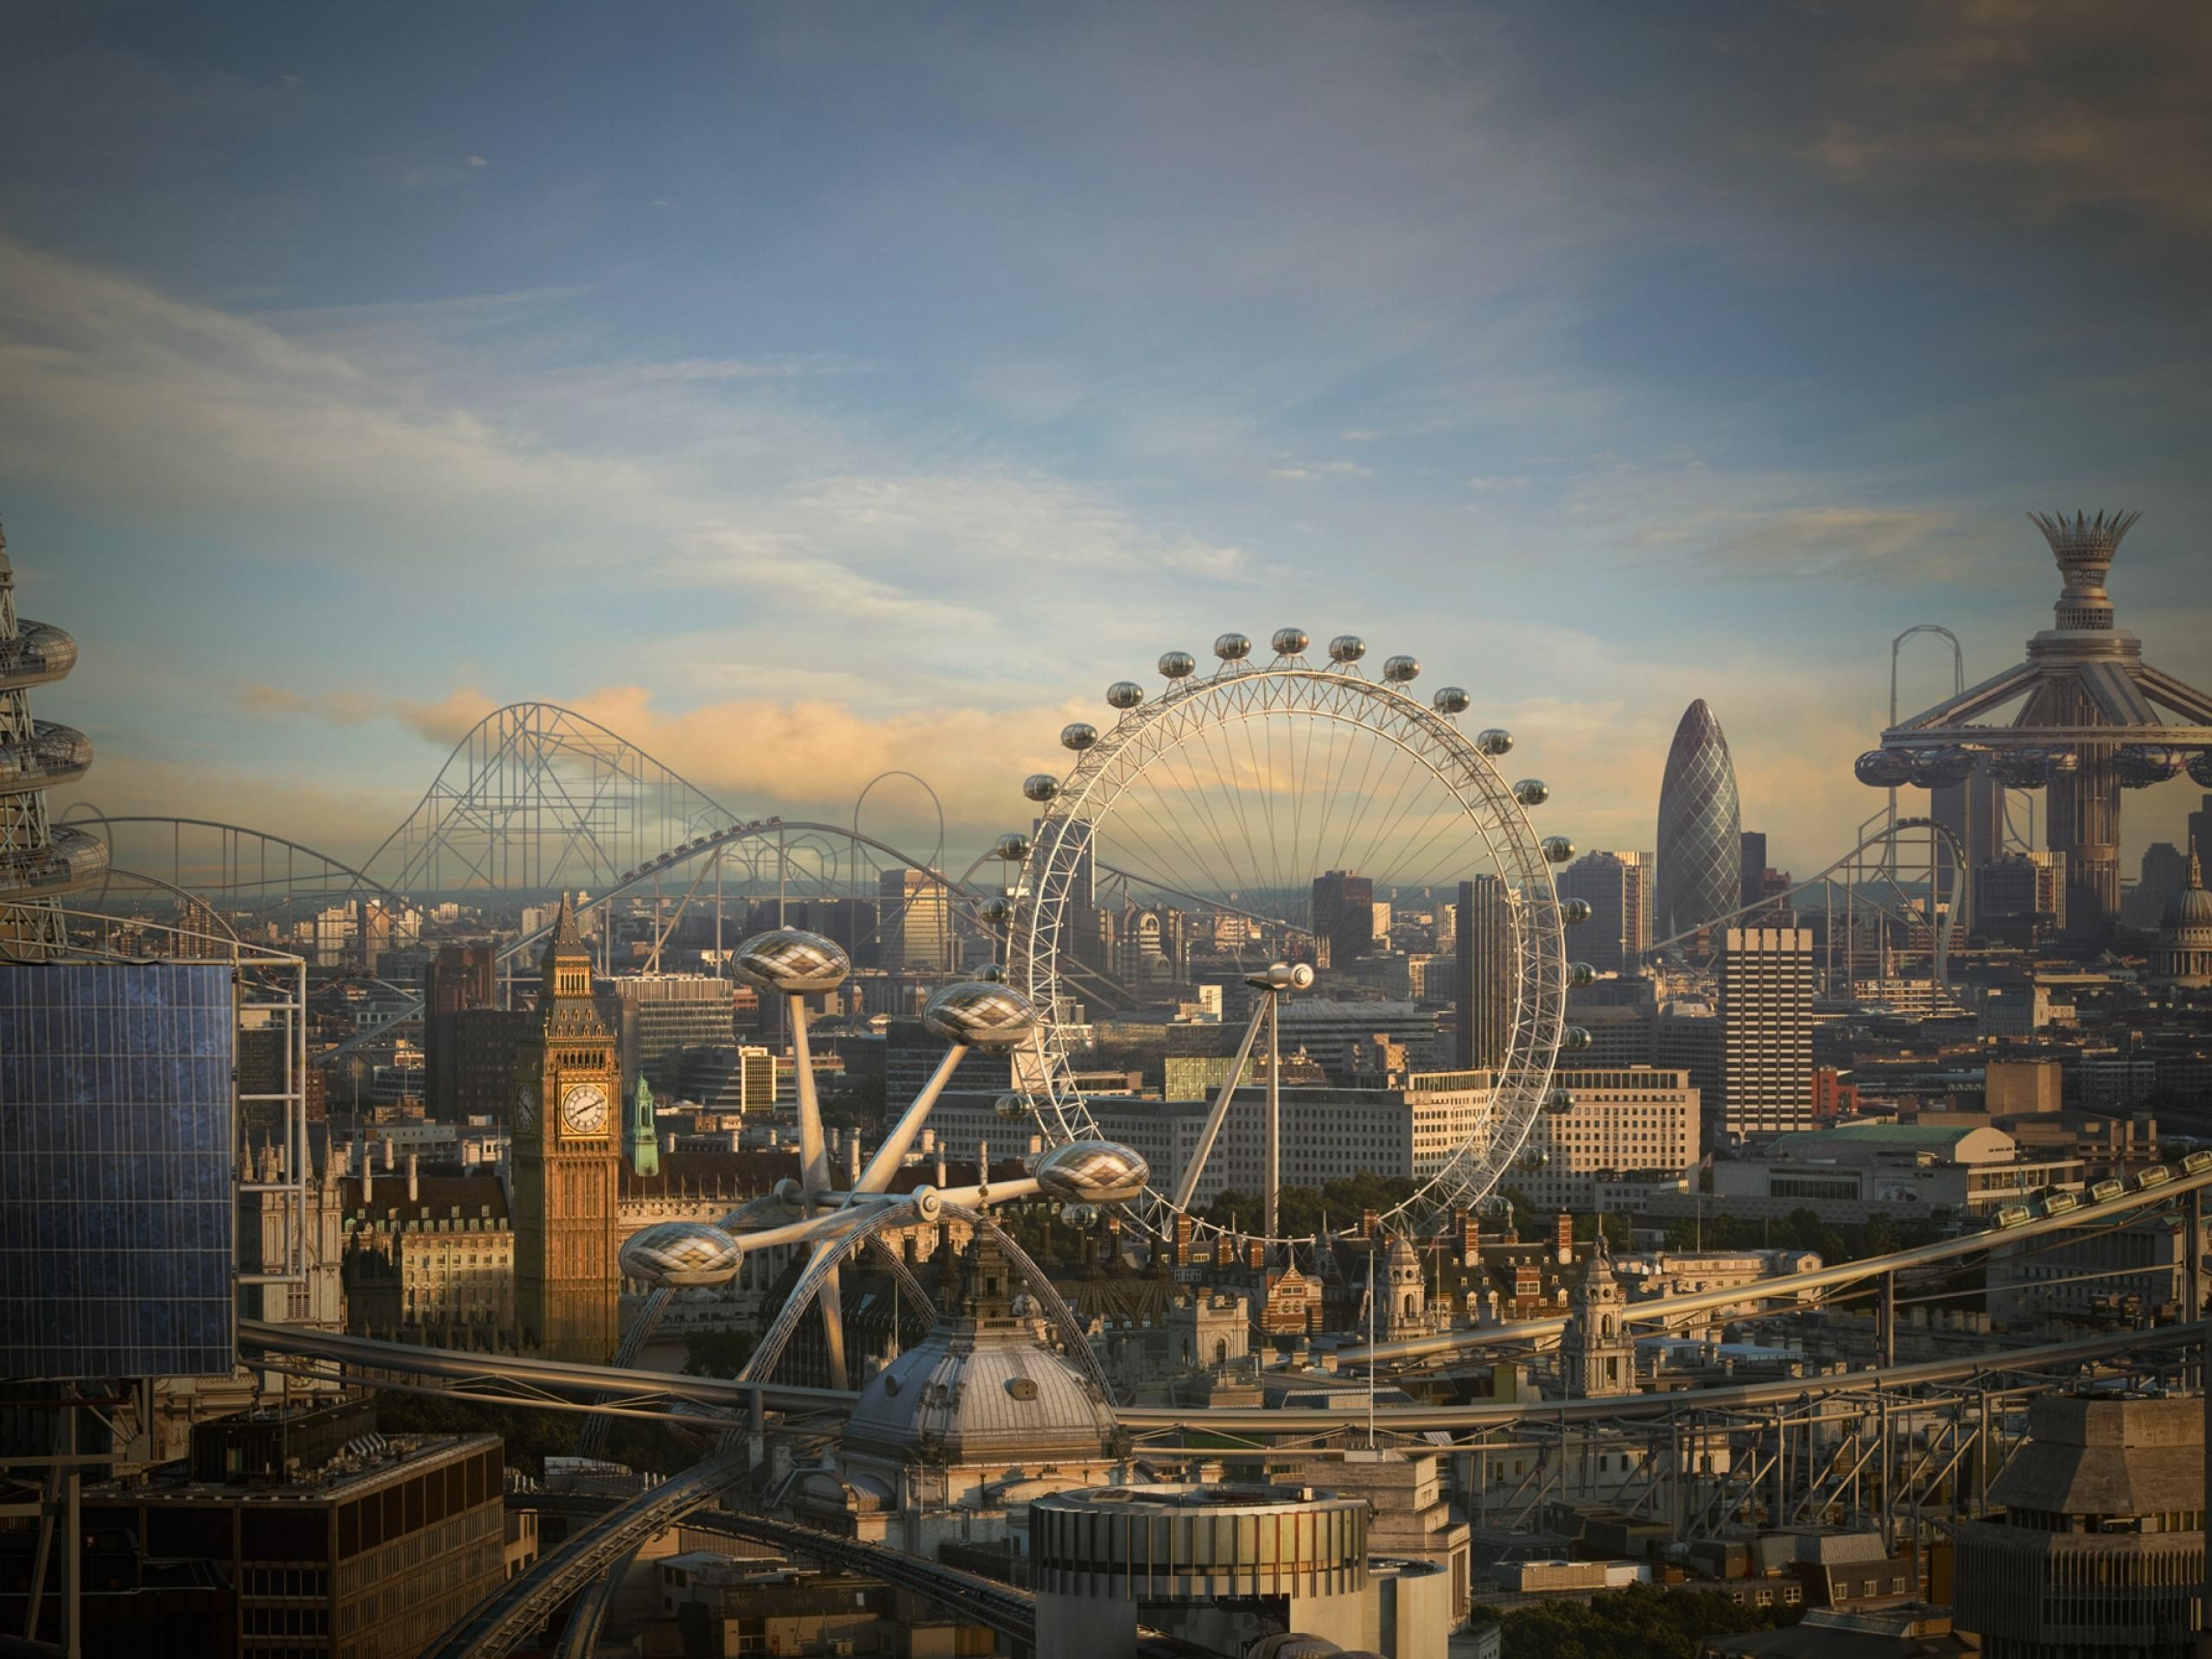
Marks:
<point>1793,1285</point>
<point>520,1608</point>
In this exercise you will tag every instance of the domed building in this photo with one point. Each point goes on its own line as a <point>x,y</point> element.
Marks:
<point>2182,955</point>
<point>951,1440</point>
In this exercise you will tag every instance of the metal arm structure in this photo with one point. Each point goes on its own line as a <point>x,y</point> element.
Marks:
<point>1195,1170</point>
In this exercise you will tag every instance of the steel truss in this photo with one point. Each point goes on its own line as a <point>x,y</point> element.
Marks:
<point>1040,949</point>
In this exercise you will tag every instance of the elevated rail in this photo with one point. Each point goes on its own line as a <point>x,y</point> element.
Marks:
<point>1794,1287</point>
<point>520,1608</point>
<point>593,1381</point>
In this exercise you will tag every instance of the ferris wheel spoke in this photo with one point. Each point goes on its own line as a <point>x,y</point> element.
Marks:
<point>1201,807</point>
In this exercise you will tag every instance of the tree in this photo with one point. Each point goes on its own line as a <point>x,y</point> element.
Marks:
<point>1642,1620</point>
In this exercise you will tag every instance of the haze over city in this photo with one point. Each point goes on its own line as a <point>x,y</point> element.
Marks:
<point>1105,831</point>
<point>806,392</point>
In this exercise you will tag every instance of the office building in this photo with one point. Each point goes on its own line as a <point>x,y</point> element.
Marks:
<point>1765,1007</point>
<point>2200,833</point>
<point>915,930</point>
<point>332,1549</point>
<point>2020,897</point>
<point>1487,973</point>
<point>459,976</point>
<point>1330,1031</point>
<point>1700,844</point>
<point>116,1212</point>
<point>658,1017</point>
<point>1612,884</point>
<point>1753,843</point>
<point>1973,811</point>
<point>1633,1120</point>
<point>484,1043</point>
<point>1343,918</point>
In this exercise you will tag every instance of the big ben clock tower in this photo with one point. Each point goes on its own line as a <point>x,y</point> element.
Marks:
<point>567,1158</point>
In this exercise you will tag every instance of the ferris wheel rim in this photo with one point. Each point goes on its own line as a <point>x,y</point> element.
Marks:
<point>1475,1166</point>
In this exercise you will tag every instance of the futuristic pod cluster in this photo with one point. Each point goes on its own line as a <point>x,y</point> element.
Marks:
<point>2088,718</point>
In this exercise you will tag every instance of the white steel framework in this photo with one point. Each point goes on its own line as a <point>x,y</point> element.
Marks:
<point>1261,729</point>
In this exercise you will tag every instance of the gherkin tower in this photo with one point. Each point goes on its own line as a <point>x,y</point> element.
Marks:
<point>1701,843</point>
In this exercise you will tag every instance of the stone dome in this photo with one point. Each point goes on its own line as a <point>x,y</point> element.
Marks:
<point>983,1387</point>
<point>2190,904</point>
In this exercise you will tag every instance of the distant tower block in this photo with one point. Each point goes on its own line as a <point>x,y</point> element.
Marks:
<point>40,861</point>
<point>2084,717</point>
<point>1700,828</point>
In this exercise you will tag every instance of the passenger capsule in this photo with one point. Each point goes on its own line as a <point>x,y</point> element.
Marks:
<point>981,1015</point>
<point>1290,642</point>
<point>997,909</point>
<point>1494,741</point>
<point>1091,1171</point>
<point>1883,768</point>
<point>1559,1100</point>
<point>1010,1107</point>
<point>990,973</point>
<point>1401,670</point>
<point>1574,1039</point>
<point>1177,665</point>
<point>1081,1216</point>
<point>1347,648</point>
<point>1041,786</point>
<point>790,961</point>
<point>1574,910</point>
<point>1558,849</point>
<point>1532,791</point>
<point>1124,694</point>
<point>1579,974</point>
<point>1078,735</point>
<point>2200,768</point>
<point>2140,765</point>
<point>1941,768</point>
<point>2027,768</point>
<point>1232,647</point>
<point>680,1254</point>
<point>1452,700</point>
<point>1013,846</point>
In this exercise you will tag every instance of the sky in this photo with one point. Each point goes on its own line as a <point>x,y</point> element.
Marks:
<point>807,391</point>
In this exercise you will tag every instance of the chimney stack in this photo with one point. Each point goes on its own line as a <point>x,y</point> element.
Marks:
<point>853,1160</point>
<point>1565,1228</point>
<point>388,1152</point>
<point>414,1179</point>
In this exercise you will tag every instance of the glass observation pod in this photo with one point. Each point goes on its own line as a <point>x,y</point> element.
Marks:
<point>2197,1163</point>
<point>2012,1215</point>
<point>2059,1203</point>
<point>2156,1175</point>
<point>2106,1192</point>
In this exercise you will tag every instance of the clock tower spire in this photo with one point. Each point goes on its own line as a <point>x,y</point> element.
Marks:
<point>567,1159</point>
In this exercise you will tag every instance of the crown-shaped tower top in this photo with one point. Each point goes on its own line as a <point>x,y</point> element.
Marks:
<point>2084,548</point>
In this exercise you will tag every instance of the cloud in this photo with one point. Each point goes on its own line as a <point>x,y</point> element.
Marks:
<point>337,708</point>
<point>1323,469</point>
<point>1490,483</point>
<point>2048,105</point>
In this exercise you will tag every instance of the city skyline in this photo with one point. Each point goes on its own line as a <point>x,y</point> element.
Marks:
<point>858,415</point>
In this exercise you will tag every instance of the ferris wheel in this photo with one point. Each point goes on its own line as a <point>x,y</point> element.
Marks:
<point>1249,818</point>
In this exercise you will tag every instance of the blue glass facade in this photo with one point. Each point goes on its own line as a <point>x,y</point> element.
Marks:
<point>1700,828</point>
<point>117,1247</point>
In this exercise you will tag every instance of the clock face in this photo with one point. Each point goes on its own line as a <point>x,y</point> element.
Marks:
<point>583,1108</point>
<point>525,1107</point>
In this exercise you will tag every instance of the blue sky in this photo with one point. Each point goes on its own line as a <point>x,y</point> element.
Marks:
<point>808,390</point>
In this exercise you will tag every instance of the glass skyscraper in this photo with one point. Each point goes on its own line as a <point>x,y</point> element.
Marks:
<point>1700,828</point>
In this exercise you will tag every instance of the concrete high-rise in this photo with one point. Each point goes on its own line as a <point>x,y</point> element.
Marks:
<point>916,929</point>
<point>1753,860</point>
<point>1486,968</point>
<point>460,978</point>
<point>1700,829</point>
<point>1765,1006</point>
<point>1344,918</point>
<point>1612,884</point>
